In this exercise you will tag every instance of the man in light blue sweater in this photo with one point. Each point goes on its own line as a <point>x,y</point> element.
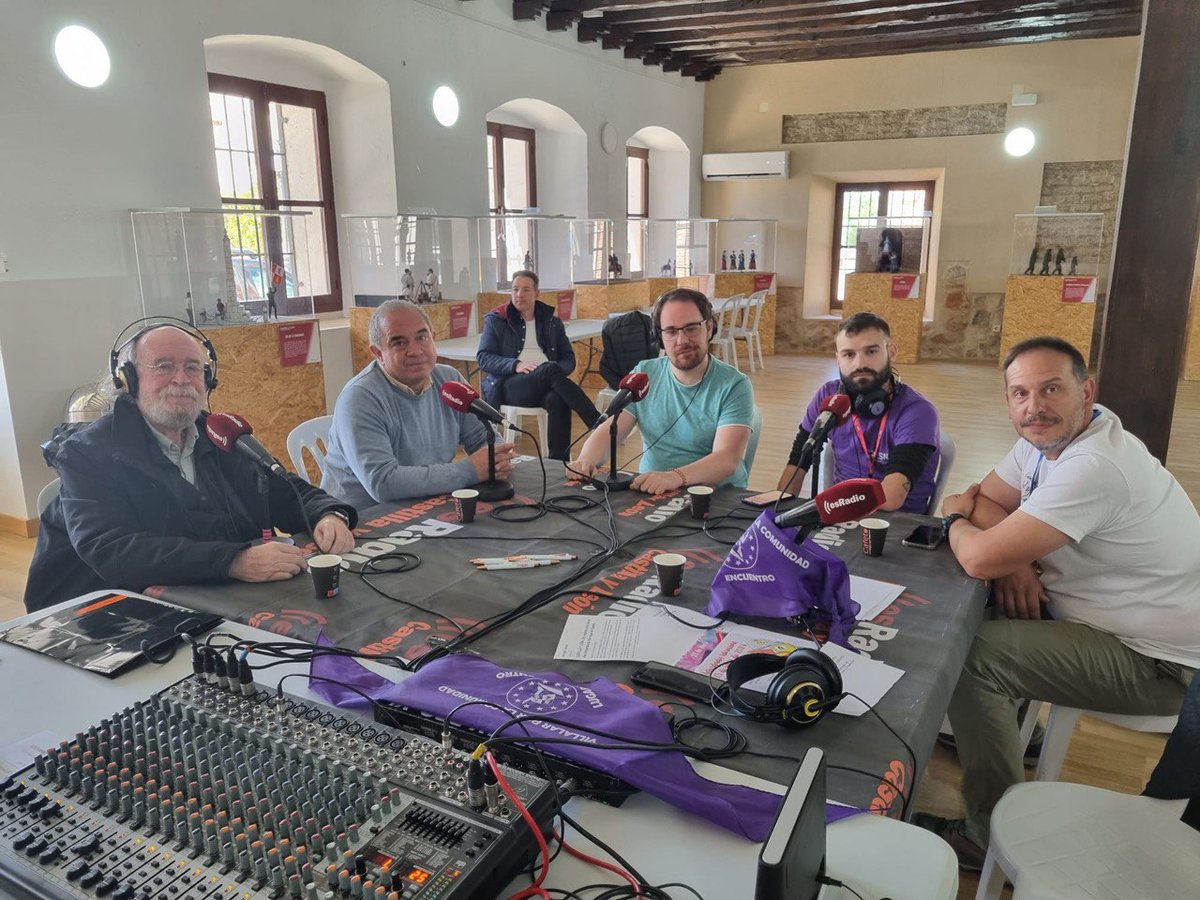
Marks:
<point>392,436</point>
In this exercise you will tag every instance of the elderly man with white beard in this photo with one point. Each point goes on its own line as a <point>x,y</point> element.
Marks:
<point>147,499</point>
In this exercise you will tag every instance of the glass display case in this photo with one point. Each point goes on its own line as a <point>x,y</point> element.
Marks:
<point>510,243</point>
<point>217,267</point>
<point>679,247</point>
<point>1057,244</point>
<point>629,244</point>
<point>744,245</point>
<point>594,260</point>
<point>886,243</point>
<point>426,259</point>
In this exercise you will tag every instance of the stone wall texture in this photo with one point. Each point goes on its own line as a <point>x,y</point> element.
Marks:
<point>889,124</point>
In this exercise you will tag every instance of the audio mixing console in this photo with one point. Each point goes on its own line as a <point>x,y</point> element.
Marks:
<point>208,791</point>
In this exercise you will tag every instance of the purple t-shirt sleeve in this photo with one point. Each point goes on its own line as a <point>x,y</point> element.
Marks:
<point>918,424</point>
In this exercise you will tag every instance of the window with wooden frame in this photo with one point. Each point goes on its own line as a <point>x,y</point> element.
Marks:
<point>861,206</point>
<point>637,202</point>
<point>272,147</point>
<point>512,188</point>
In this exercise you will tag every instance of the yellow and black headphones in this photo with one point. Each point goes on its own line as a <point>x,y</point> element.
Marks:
<point>703,306</point>
<point>807,684</point>
<point>124,375</point>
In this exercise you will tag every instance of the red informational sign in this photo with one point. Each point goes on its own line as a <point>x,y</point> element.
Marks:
<point>296,343</point>
<point>1079,289</point>
<point>460,319</point>
<point>906,287</point>
<point>276,273</point>
<point>566,305</point>
<point>763,282</point>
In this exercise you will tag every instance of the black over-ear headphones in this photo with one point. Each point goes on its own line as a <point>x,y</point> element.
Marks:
<point>124,375</point>
<point>874,403</point>
<point>807,684</point>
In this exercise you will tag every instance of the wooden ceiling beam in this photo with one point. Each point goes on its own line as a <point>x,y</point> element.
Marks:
<point>666,10</point>
<point>807,51</point>
<point>1095,11</point>
<point>528,10</point>
<point>960,12</point>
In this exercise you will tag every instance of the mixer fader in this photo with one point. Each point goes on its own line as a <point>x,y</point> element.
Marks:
<point>203,791</point>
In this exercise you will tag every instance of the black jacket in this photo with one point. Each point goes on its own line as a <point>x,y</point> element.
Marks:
<point>503,337</point>
<point>125,516</point>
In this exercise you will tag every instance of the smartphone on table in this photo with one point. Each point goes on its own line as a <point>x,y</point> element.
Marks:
<point>924,537</point>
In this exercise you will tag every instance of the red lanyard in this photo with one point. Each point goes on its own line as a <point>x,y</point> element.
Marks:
<point>858,429</point>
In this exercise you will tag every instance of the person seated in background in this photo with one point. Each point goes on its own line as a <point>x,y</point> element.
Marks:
<point>893,433</point>
<point>392,436</point>
<point>528,358</point>
<point>1094,553</point>
<point>147,499</point>
<point>697,416</point>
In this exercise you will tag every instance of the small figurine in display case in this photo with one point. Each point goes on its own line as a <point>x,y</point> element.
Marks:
<point>753,261</point>
<point>427,292</point>
<point>1074,265</point>
<point>724,261</point>
<point>614,266</point>
<point>272,309</point>
<point>406,285</point>
<point>891,249</point>
<point>527,262</point>
<point>1059,259</point>
<point>1049,255</point>
<point>741,261</point>
<point>1033,258</point>
<point>668,269</point>
<point>220,308</point>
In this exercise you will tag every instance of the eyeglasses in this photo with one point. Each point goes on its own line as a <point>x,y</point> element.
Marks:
<point>167,369</point>
<point>692,330</point>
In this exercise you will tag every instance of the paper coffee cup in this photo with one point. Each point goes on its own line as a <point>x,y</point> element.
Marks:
<point>700,497</point>
<point>465,501</point>
<point>670,573</point>
<point>874,533</point>
<point>326,571</point>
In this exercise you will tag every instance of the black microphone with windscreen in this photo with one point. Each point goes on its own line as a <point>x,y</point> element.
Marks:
<point>463,398</point>
<point>231,433</point>
<point>844,502</point>
<point>633,387</point>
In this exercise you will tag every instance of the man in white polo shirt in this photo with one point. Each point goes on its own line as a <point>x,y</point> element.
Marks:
<point>1094,552</point>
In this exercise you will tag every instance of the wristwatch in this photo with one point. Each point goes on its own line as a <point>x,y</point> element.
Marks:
<point>947,521</point>
<point>341,515</point>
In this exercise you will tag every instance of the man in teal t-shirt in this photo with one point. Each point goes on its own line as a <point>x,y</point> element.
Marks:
<point>696,418</point>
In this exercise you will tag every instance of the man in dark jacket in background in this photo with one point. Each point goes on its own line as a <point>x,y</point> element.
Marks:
<point>533,372</point>
<point>147,499</point>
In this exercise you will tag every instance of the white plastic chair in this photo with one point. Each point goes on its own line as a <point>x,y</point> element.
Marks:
<point>1060,841</point>
<point>1060,725</point>
<point>727,318</point>
<point>748,328</point>
<point>312,436</point>
<point>514,415</point>
<point>47,494</point>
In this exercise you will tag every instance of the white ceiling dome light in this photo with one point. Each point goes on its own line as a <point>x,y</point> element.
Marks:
<point>1019,141</point>
<point>445,106</point>
<point>82,56</point>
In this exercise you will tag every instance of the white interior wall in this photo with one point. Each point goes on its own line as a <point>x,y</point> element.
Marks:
<point>76,160</point>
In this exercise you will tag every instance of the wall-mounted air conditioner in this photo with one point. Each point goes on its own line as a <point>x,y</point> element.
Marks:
<point>741,166</point>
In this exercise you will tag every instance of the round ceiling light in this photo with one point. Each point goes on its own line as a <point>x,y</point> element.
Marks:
<point>82,56</point>
<point>1018,142</point>
<point>445,106</point>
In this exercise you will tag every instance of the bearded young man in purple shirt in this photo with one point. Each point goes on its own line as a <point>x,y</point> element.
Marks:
<point>892,434</point>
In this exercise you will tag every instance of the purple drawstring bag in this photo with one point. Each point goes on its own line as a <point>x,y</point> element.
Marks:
<point>768,574</point>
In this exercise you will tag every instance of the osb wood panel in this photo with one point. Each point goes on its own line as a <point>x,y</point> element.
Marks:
<point>271,397</point>
<point>596,301</point>
<point>1033,306</point>
<point>729,283</point>
<point>872,292</point>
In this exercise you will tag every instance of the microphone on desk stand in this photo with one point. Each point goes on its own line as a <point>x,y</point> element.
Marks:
<point>834,411</point>
<point>632,388</point>
<point>844,502</point>
<point>231,433</point>
<point>465,399</point>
